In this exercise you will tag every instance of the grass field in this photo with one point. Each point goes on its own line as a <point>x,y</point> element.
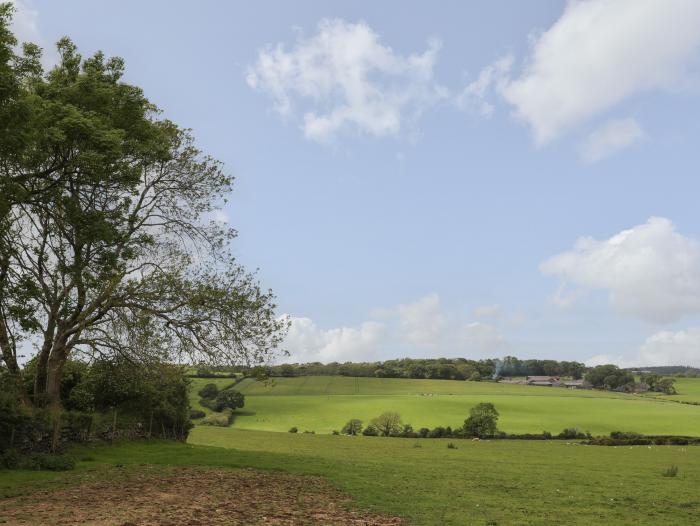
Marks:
<point>480,483</point>
<point>688,391</point>
<point>324,404</point>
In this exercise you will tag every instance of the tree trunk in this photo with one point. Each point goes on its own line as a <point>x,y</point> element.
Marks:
<point>53,392</point>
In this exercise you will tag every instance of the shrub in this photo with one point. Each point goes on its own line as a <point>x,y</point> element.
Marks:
<point>48,462</point>
<point>482,421</point>
<point>437,432</point>
<point>353,427</point>
<point>572,433</point>
<point>670,471</point>
<point>230,399</point>
<point>451,445</point>
<point>209,391</point>
<point>293,430</point>
<point>370,431</point>
<point>335,432</point>
<point>423,432</point>
<point>10,459</point>
<point>625,435</point>
<point>309,432</point>
<point>222,419</point>
<point>387,424</point>
<point>196,413</point>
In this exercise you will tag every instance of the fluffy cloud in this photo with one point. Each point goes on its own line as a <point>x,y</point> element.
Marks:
<point>599,53</point>
<point>306,342</point>
<point>345,77</point>
<point>611,137</point>
<point>671,348</point>
<point>423,323</point>
<point>650,271</point>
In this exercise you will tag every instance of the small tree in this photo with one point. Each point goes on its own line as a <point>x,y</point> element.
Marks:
<point>482,421</point>
<point>353,427</point>
<point>388,423</point>
<point>229,399</point>
<point>209,391</point>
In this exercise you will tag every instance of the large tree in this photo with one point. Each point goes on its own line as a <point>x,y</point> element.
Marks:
<point>106,243</point>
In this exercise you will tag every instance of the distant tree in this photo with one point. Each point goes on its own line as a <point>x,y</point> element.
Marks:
<point>665,385</point>
<point>230,399</point>
<point>482,421</point>
<point>388,423</point>
<point>353,427</point>
<point>475,377</point>
<point>609,377</point>
<point>209,391</point>
<point>370,431</point>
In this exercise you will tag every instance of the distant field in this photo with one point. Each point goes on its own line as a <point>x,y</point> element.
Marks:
<point>688,391</point>
<point>324,404</point>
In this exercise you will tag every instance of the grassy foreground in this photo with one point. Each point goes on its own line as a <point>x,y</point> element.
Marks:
<point>487,482</point>
<point>323,404</point>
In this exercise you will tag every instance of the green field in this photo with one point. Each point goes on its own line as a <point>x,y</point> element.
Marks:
<point>324,404</point>
<point>688,391</point>
<point>480,483</point>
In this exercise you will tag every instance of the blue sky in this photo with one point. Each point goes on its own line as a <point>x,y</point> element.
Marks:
<point>469,179</point>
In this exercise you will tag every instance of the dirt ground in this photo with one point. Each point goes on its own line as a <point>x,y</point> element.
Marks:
<point>190,496</point>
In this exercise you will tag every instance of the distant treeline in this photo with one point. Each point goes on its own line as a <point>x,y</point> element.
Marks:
<point>435,368</point>
<point>670,370</point>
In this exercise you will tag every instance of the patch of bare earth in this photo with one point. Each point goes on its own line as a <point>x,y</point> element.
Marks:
<point>190,496</point>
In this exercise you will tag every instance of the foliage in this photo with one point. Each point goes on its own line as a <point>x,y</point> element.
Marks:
<point>226,399</point>
<point>658,383</point>
<point>48,462</point>
<point>482,421</point>
<point>370,431</point>
<point>209,391</point>
<point>293,430</point>
<point>451,445</point>
<point>571,433</point>
<point>221,419</point>
<point>434,369</point>
<point>196,414</point>
<point>106,246</point>
<point>353,427</point>
<point>387,424</point>
<point>610,377</point>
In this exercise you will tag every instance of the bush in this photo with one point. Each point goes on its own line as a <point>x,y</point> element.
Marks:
<point>309,432</point>
<point>482,421</point>
<point>196,413</point>
<point>572,433</point>
<point>451,445</point>
<point>670,471</point>
<point>10,459</point>
<point>335,432</point>
<point>293,430</point>
<point>209,391</point>
<point>370,431</point>
<point>230,399</point>
<point>625,435</point>
<point>222,419</point>
<point>48,462</point>
<point>423,432</point>
<point>353,427</point>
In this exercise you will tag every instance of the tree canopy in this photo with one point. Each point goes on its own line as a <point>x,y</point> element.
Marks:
<point>107,246</point>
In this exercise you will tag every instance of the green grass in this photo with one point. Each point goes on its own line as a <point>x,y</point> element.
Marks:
<point>487,482</point>
<point>323,404</point>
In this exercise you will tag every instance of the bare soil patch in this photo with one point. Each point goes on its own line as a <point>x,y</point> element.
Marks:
<point>190,496</point>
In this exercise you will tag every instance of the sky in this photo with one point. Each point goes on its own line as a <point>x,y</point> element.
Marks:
<point>462,179</point>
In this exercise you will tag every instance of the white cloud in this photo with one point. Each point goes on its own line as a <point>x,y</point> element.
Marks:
<point>487,311</point>
<point>345,77</point>
<point>306,342</point>
<point>475,94</point>
<point>422,322</point>
<point>482,337</point>
<point>650,271</point>
<point>599,53</point>
<point>611,137</point>
<point>671,348</point>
